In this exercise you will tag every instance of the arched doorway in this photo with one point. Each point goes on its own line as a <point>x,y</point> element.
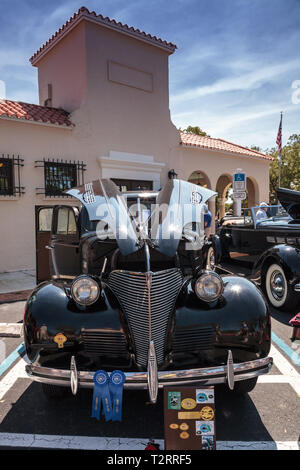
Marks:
<point>223,186</point>
<point>200,178</point>
<point>252,193</point>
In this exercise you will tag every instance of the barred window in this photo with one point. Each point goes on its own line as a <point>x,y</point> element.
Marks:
<point>59,177</point>
<point>6,177</point>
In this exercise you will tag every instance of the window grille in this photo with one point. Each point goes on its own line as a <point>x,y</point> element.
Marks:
<point>10,177</point>
<point>60,175</point>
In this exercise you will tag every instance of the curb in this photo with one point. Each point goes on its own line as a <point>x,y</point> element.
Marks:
<point>8,297</point>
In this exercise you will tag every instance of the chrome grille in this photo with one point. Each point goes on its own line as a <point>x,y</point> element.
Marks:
<point>107,343</point>
<point>131,290</point>
<point>193,339</point>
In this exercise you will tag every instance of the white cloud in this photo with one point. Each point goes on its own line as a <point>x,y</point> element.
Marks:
<point>247,81</point>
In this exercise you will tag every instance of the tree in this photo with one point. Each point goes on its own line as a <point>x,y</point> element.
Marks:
<point>194,130</point>
<point>290,167</point>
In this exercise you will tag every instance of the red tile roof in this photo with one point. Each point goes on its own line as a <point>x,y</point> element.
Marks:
<point>33,112</point>
<point>84,14</point>
<point>205,142</point>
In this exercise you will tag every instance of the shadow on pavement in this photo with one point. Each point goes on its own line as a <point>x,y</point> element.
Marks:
<point>236,417</point>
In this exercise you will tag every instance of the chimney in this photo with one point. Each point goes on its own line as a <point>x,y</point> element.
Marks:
<point>2,91</point>
<point>48,101</point>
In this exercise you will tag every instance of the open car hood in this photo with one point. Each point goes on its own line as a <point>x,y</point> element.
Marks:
<point>290,200</point>
<point>104,202</point>
<point>179,203</point>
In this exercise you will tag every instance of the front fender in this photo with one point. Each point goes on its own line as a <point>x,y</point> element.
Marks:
<point>49,311</point>
<point>239,321</point>
<point>288,257</point>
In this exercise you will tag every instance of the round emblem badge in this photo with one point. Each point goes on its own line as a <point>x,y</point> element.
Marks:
<point>196,197</point>
<point>205,428</point>
<point>184,427</point>
<point>207,413</point>
<point>188,404</point>
<point>100,377</point>
<point>117,377</point>
<point>184,435</point>
<point>173,426</point>
<point>201,397</point>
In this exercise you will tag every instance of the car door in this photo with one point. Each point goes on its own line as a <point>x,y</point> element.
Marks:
<point>65,256</point>
<point>43,222</point>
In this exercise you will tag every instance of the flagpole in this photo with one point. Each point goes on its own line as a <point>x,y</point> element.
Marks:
<point>279,152</point>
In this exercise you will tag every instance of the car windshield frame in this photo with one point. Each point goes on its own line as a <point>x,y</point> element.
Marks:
<point>275,213</point>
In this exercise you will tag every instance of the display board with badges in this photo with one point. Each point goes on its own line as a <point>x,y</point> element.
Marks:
<point>189,418</point>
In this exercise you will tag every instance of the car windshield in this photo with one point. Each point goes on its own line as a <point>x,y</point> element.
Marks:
<point>265,214</point>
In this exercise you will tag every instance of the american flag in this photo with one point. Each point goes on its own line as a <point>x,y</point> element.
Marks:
<point>279,138</point>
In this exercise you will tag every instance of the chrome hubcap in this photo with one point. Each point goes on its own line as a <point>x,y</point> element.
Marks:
<point>277,284</point>
<point>211,260</point>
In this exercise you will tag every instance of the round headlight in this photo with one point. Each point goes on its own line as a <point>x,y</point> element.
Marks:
<point>85,290</point>
<point>209,286</point>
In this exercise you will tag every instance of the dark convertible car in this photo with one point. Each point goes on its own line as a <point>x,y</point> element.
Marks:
<point>129,290</point>
<point>267,241</point>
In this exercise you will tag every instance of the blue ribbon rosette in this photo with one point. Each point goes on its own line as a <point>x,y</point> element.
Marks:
<point>101,395</point>
<point>116,382</point>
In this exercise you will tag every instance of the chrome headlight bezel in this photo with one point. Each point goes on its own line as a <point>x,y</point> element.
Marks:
<point>208,276</point>
<point>78,283</point>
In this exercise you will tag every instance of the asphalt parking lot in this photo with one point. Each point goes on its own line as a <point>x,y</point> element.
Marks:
<point>266,418</point>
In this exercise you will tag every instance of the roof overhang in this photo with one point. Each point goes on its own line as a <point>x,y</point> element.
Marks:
<point>84,14</point>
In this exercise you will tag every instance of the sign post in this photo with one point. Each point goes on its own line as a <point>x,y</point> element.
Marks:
<point>239,189</point>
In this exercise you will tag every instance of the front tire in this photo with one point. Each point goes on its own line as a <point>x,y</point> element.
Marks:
<point>278,290</point>
<point>244,386</point>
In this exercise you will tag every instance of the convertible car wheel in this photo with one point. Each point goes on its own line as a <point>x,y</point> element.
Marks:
<point>52,392</point>
<point>244,386</point>
<point>279,293</point>
<point>240,388</point>
<point>211,259</point>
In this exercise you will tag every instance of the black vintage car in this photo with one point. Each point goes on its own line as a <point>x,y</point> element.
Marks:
<point>266,242</point>
<point>130,291</point>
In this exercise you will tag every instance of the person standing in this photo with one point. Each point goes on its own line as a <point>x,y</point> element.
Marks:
<point>207,220</point>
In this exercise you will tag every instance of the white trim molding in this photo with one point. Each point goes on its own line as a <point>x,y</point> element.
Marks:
<point>131,166</point>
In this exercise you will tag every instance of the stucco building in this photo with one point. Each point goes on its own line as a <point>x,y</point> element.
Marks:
<point>104,112</point>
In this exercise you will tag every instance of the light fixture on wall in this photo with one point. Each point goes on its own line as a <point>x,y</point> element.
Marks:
<point>172,175</point>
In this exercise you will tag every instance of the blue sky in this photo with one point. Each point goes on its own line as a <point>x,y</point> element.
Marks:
<point>231,75</point>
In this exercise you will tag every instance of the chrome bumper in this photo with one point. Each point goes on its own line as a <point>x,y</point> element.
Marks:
<point>229,374</point>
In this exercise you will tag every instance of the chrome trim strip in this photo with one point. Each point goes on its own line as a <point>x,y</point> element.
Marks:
<point>73,376</point>
<point>152,373</point>
<point>297,287</point>
<point>230,371</point>
<point>139,380</point>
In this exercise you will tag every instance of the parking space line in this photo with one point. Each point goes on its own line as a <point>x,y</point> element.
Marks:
<point>286,368</point>
<point>17,372</point>
<point>19,351</point>
<point>276,379</point>
<point>115,443</point>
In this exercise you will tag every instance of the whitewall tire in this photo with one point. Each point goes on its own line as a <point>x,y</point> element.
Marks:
<point>278,291</point>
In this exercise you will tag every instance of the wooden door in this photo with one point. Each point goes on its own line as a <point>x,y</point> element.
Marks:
<point>43,221</point>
